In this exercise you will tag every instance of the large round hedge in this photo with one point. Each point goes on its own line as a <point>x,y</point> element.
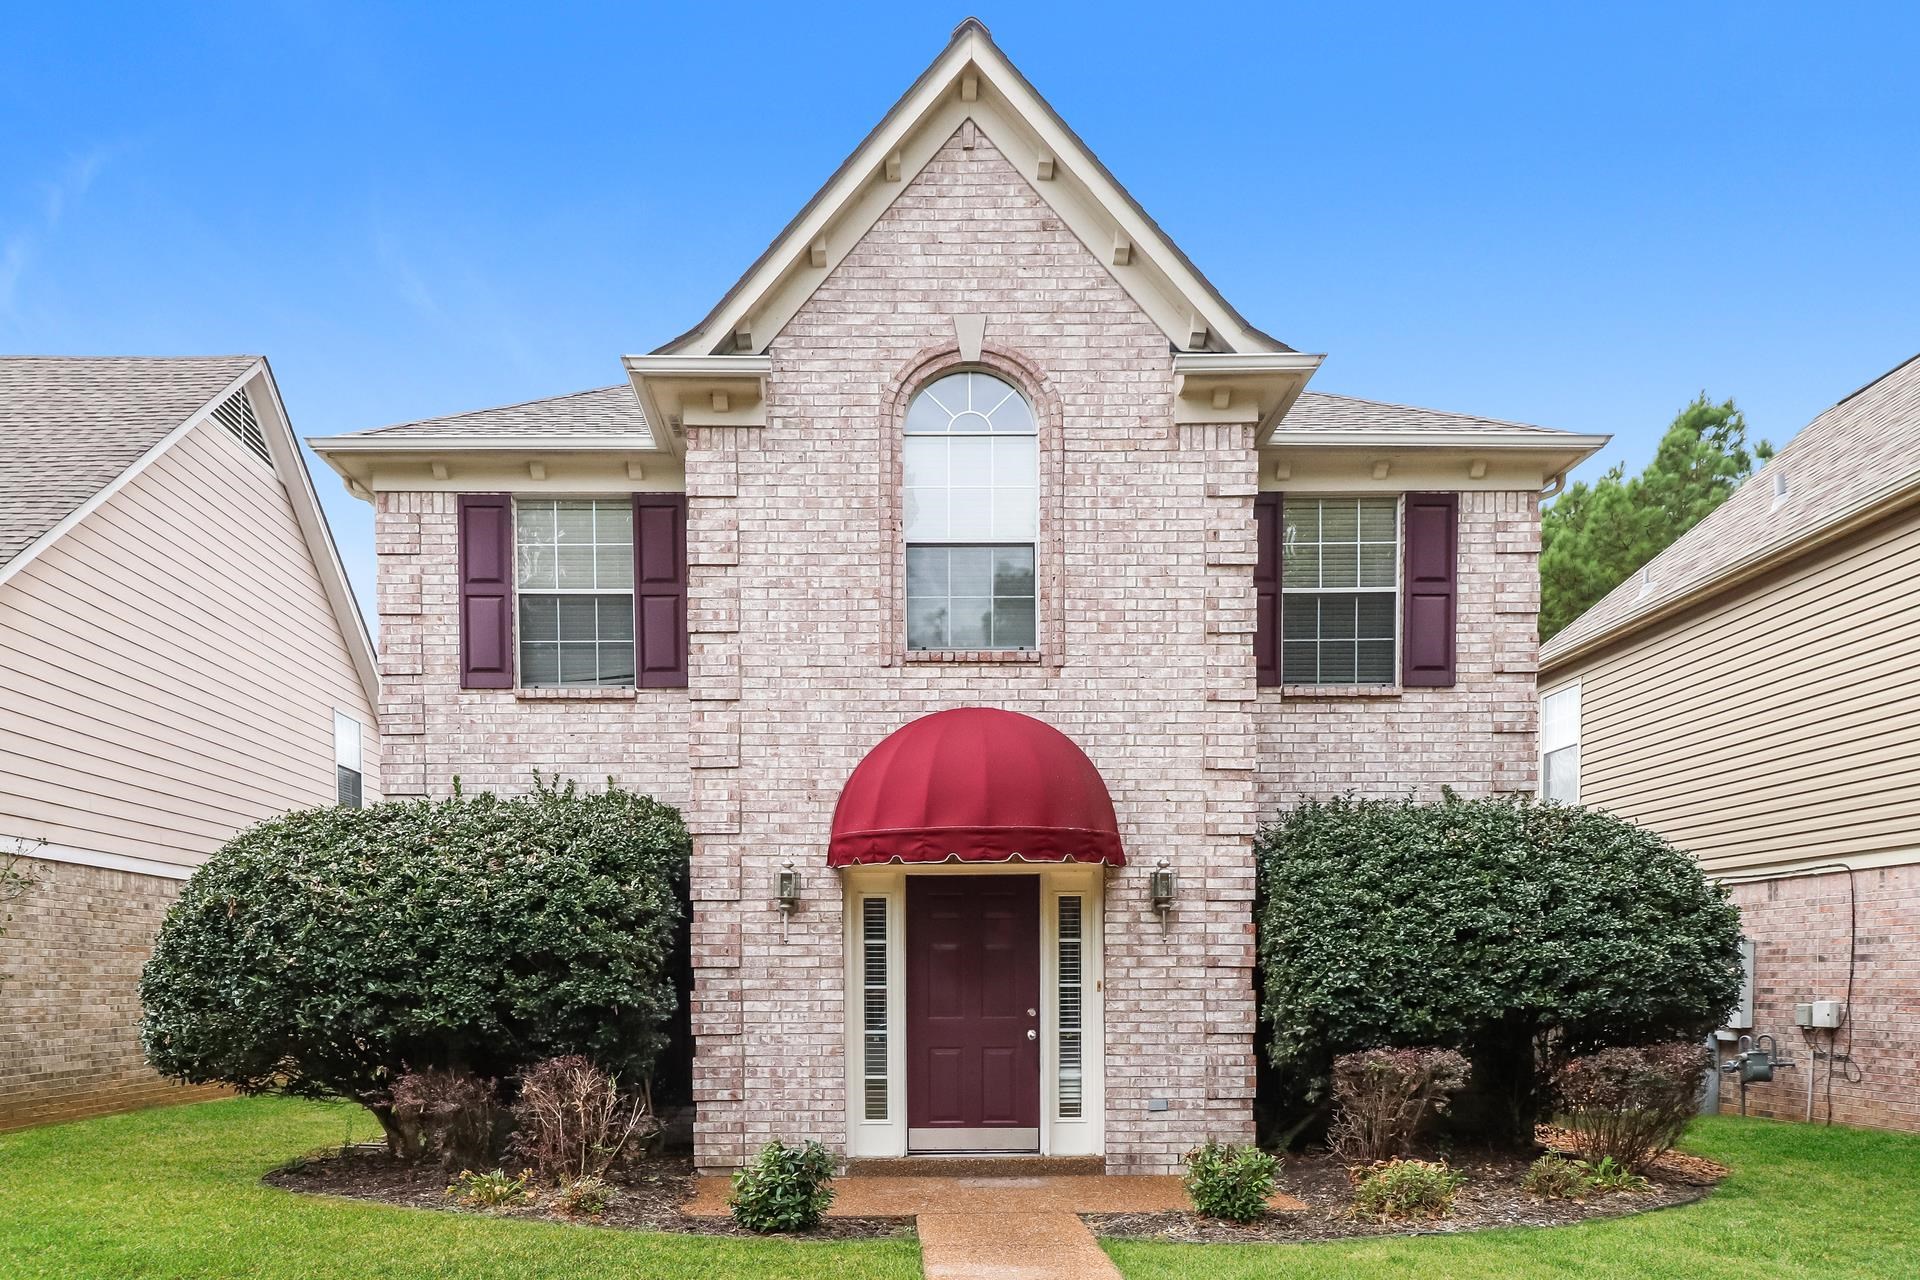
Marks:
<point>327,951</point>
<point>1503,927</point>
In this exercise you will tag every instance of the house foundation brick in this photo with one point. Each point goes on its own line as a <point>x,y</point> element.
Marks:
<point>1808,931</point>
<point>70,965</point>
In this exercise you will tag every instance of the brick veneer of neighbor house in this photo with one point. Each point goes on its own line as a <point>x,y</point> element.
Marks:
<point>795,668</point>
<point>1806,930</point>
<point>69,996</point>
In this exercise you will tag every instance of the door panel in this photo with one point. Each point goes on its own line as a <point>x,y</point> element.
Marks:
<point>973,997</point>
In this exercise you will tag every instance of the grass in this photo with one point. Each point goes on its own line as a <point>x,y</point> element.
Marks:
<point>1802,1201</point>
<point>177,1193</point>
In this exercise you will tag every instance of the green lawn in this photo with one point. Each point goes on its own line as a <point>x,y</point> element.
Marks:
<point>176,1192</point>
<point>1802,1201</point>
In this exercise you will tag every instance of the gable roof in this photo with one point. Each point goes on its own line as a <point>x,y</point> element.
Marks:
<point>70,424</point>
<point>603,412</point>
<point>1325,414</point>
<point>1850,464</point>
<point>972,80</point>
<point>74,430</point>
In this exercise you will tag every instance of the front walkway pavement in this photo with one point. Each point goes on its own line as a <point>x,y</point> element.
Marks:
<point>996,1228</point>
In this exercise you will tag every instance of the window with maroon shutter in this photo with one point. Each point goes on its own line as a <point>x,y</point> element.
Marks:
<point>1267,514</point>
<point>1431,589</point>
<point>660,588</point>
<point>486,591</point>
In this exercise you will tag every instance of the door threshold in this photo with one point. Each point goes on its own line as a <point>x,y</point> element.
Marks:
<point>975,1164</point>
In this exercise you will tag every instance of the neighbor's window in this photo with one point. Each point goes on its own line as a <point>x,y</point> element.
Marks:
<point>573,560</point>
<point>347,773</point>
<point>972,515</point>
<point>1340,590</point>
<point>1560,745</point>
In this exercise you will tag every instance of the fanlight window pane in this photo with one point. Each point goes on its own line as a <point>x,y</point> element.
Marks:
<point>971,470</point>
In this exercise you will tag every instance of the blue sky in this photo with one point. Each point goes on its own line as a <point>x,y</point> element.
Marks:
<point>1575,216</point>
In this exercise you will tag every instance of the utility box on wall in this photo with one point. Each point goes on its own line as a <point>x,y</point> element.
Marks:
<point>1740,1017</point>
<point>1819,1014</point>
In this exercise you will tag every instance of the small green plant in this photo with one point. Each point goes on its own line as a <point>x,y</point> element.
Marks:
<point>784,1189</point>
<point>1403,1189</point>
<point>1554,1177</point>
<point>495,1189</point>
<point>1230,1182</point>
<point>583,1197</point>
<point>1610,1176</point>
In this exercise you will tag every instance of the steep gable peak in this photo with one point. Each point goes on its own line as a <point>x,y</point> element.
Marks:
<point>972,85</point>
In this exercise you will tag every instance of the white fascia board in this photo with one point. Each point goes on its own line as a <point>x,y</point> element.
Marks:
<point>312,519</point>
<point>126,477</point>
<point>530,442</point>
<point>1545,442</point>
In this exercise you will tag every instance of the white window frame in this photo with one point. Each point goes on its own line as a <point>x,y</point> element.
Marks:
<point>1560,731</point>
<point>1399,500</point>
<point>349,752</point>
<point>521,593</point>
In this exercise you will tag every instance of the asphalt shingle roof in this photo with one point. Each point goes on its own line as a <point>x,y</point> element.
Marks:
<point>605,411</point>
<point>70,424</point>
<point>1862,447</point>
<point>1318,411</point>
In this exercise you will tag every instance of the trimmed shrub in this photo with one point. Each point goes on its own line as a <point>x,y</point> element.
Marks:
<point>1230,1182</point>
<point>495,1189</point>
<point>784,1189</point>
<point>327,951</point>
<point>1630,1105</point>
<point>1385,1095</point>
<point>571,1121</point>
<point>1402,1189</point>
<point>1509,929</point>
<point>452,1115</point>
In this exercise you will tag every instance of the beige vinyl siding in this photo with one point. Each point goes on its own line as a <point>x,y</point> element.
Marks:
<point>170,667</point>
<point>1778,725</point>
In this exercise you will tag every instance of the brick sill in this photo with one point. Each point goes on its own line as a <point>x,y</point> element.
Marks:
<point>952,657</point>
<point>563,693</point>
<point>1324,691</point>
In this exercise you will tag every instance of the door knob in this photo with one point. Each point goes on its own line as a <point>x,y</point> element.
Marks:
<point>1031,1013</point>
<point>1032,1034</point>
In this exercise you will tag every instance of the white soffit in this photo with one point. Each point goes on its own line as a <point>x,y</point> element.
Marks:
<point>972,79</point>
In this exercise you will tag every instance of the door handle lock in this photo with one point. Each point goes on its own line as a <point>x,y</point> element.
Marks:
<point>1032,1034</point>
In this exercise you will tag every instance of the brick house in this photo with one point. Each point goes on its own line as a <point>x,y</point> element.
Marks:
<point>937,576</point>
<point>180,657</point>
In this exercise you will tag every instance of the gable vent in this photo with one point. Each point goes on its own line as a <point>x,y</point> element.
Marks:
<point>236,415</point>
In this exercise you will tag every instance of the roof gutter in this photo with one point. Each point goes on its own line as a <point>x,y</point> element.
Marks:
<point>1876,506</point>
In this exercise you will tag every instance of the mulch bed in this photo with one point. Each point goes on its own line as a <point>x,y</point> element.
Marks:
<point>1491,1197</point>
<point>648,1194</point>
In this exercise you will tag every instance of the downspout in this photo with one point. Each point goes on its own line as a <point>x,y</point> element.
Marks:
<point>1554,486</point>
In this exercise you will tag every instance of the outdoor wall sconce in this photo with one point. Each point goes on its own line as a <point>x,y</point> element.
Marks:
<point>786,889</point>
<point>1160,889</point>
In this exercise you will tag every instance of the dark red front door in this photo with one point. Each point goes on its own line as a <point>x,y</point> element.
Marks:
<point>973,1005</point>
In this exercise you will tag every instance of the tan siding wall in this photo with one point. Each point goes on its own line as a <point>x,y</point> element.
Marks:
<point>1777,726</point>
<point>169,668</point>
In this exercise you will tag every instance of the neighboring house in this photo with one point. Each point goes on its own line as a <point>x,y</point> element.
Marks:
<point>975,454</point>
<point>180,657</point>
<point>1753,695</point>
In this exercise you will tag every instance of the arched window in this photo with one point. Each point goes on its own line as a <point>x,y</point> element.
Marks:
<point>972,515</point>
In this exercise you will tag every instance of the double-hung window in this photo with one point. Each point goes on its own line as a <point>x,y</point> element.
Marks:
<point>573,561</point>
<point>1340,590</point>
<point>972,515</point>
<point>1560,745</point>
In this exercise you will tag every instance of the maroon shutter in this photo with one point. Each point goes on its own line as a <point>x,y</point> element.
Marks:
<point>1432,589</point>
<point>1267,511</point>
<point>660,589</point>
<point>486,591</point>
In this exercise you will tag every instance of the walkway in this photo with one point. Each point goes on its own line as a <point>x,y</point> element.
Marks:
<point>995,1228</point>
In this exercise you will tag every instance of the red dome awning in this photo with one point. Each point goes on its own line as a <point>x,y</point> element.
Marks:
<point>975,785</point>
